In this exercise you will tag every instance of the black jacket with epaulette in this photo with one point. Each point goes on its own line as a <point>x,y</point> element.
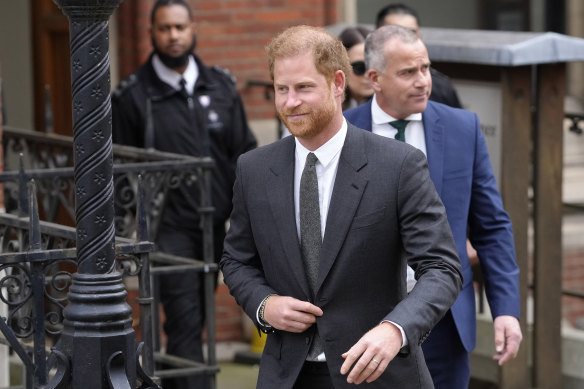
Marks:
<point>148,113</point>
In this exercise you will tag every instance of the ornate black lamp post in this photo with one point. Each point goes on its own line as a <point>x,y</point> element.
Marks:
<point>98,343</point>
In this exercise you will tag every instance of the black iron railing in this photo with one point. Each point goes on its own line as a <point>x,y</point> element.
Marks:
<point>39,256</point>
<point>35,281</point>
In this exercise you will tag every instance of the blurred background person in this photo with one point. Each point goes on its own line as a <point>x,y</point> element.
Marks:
<point>176,103</point>
<point>358,88</point>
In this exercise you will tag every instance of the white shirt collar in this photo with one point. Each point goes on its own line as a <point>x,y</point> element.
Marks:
<point>379,116</point>
<point>327,152</point>
<point>172,78</point>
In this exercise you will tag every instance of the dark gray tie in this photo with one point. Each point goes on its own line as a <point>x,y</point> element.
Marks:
<point>310,235</point>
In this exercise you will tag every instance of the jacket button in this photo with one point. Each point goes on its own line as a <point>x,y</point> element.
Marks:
<point>307,340</point>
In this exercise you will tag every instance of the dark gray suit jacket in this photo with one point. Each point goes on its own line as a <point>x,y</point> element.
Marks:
<point>384,213</point>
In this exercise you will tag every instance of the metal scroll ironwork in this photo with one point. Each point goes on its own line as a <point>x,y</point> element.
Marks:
<point>155,173</point>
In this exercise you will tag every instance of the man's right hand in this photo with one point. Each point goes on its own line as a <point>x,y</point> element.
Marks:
<point>289,314</point>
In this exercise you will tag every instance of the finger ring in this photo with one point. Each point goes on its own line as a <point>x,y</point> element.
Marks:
<point>375,361</point>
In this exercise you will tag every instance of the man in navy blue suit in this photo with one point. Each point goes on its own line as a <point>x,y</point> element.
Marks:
<point>399,69</point>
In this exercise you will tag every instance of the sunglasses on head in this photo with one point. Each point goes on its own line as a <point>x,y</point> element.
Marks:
<point>358,67</point>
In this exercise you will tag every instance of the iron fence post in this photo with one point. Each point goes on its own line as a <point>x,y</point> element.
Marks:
<point>98,339</point>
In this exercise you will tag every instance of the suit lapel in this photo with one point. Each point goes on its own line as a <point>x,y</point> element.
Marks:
<point>280,194</point>
<point>349,185</point>
<point>434,135</point>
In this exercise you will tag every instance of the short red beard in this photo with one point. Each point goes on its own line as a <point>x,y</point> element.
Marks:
<point>316,118</point>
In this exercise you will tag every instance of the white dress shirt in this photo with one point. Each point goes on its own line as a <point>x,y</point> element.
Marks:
<point>414,131</point>
<point>326,171</point>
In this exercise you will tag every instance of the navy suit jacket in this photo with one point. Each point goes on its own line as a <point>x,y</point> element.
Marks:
<point>461,171</point>
<point>378,221</point>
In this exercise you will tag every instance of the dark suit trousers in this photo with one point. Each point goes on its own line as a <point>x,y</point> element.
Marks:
<point>447,360</point>
<point>182,295</point>
<point>314,375</point>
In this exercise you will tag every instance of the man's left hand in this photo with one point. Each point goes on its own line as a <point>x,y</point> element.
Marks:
<point>507,338</point>
<point>372,353</point>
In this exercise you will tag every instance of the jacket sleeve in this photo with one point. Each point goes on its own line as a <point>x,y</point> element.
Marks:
<point>240,263</point>
<point>491,234</point>
<point>128,121</point>
<point>429,249</point>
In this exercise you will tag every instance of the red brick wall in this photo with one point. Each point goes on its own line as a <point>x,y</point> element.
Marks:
<point>228,316</point>
<point>133,17</point>
<point>231,34</point>
<point>573,280</point>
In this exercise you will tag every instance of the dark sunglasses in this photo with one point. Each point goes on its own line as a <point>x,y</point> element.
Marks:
<point>358,67</point>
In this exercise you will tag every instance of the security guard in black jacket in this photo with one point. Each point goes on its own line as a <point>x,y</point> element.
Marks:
<point>149,113</point>
<point>175,103</point>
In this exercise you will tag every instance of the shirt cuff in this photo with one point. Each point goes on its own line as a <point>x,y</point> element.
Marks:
<point>403,334</point>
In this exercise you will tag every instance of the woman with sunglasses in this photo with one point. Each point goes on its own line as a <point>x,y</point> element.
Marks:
<point>358,88</point>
